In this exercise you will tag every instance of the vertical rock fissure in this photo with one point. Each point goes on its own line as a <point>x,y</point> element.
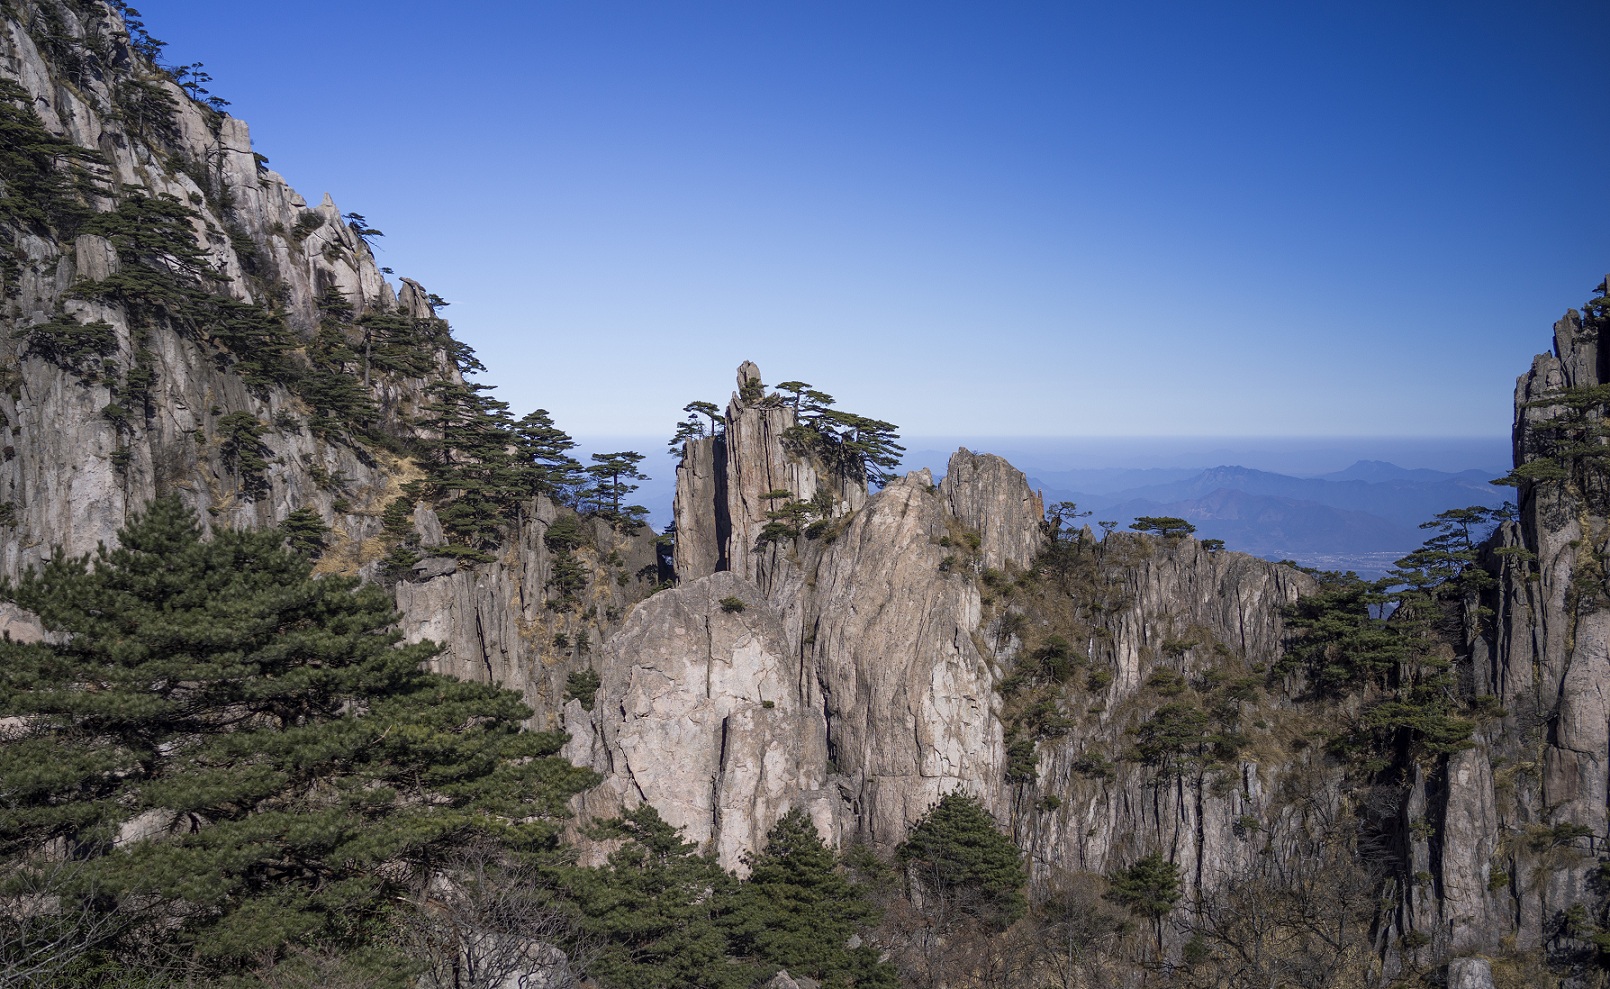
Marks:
<point>715,780</point>
<point>718,454</point>
<point>485,653</point>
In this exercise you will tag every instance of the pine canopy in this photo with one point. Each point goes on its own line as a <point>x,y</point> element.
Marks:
<point>234,750</point>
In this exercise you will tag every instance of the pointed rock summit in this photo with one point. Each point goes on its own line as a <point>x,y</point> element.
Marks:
<point>729,483</point>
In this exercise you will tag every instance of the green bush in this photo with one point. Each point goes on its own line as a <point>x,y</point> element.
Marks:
<point>69,344</point>
<point>1148,889</point>
<point>305,532</point>
<point>582,685</point>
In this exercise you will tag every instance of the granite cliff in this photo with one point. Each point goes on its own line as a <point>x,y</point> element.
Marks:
<point>877,637</point>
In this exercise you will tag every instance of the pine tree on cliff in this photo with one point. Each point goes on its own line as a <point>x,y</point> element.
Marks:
<point>612,474</point>
<point>470,472</point>
<point>542,451</point>
<point>290,764</point>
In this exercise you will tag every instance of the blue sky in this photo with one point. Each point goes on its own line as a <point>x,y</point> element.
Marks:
<point>1149,219</point>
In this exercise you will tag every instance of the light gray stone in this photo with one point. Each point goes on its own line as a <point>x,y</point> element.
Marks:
<point>993,498</point>
<point>1470,973</point>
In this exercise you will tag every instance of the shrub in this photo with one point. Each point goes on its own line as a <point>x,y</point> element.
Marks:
<point>1149,888</point>
<point>69,344</point>
<point>305,532</point>
<point>565,534</point>
<point>582,685</point>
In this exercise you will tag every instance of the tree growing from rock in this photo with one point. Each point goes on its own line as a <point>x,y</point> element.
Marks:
<point>1166,526</point>
<point>542,450</point>
<point>612,474</point>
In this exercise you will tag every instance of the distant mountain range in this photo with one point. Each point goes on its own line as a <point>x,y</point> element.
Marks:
<point>1361,518</point>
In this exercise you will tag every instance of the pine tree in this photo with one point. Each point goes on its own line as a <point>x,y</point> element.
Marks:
<point>294,761</point>
<point>472,475</point>
<point>305,532</point>
<point>542,451</point>
<point>957,853</point>
<point>1166,526</point>
<point>1148,889</point>
<point>659,910</point>
<point>798,911</point>
<point>612,474</point>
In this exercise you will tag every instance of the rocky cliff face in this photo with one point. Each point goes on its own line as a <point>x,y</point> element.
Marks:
<point>863,677</point>
<point>979,490</point>
<point>1522,815</point>
<point>77,473</point>
<point>898,631</point>
<point>133,366</point>
<point>859,675</point>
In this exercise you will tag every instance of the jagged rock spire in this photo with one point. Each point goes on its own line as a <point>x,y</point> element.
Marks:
<point>728,483</point>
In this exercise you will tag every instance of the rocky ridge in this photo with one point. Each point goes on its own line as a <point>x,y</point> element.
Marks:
<point>862,677</point>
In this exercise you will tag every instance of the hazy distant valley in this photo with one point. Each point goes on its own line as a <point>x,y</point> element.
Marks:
<point>1293,499</point>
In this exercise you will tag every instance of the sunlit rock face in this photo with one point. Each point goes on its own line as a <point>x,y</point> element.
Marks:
<point>876,624</point>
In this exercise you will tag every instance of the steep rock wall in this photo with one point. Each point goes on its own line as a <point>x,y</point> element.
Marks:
<point>992,498</point>
<point>910,696</point>
<point>704,712</point>
<point>1521,817</point>
<point>82,449</point>
<point>895,694</point>
<point>63,482</point>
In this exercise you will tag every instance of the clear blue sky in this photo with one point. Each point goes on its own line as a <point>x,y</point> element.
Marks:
<point>1330,218</point>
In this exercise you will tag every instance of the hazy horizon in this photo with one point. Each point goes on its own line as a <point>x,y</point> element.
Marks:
<point>1294,456</point>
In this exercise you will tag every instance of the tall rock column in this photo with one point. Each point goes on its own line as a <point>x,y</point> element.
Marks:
<point>700,509</point>
<point>761,461</point>
<point>1564,624</point>
<point>1544,655</point>
<point>724,481</point>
